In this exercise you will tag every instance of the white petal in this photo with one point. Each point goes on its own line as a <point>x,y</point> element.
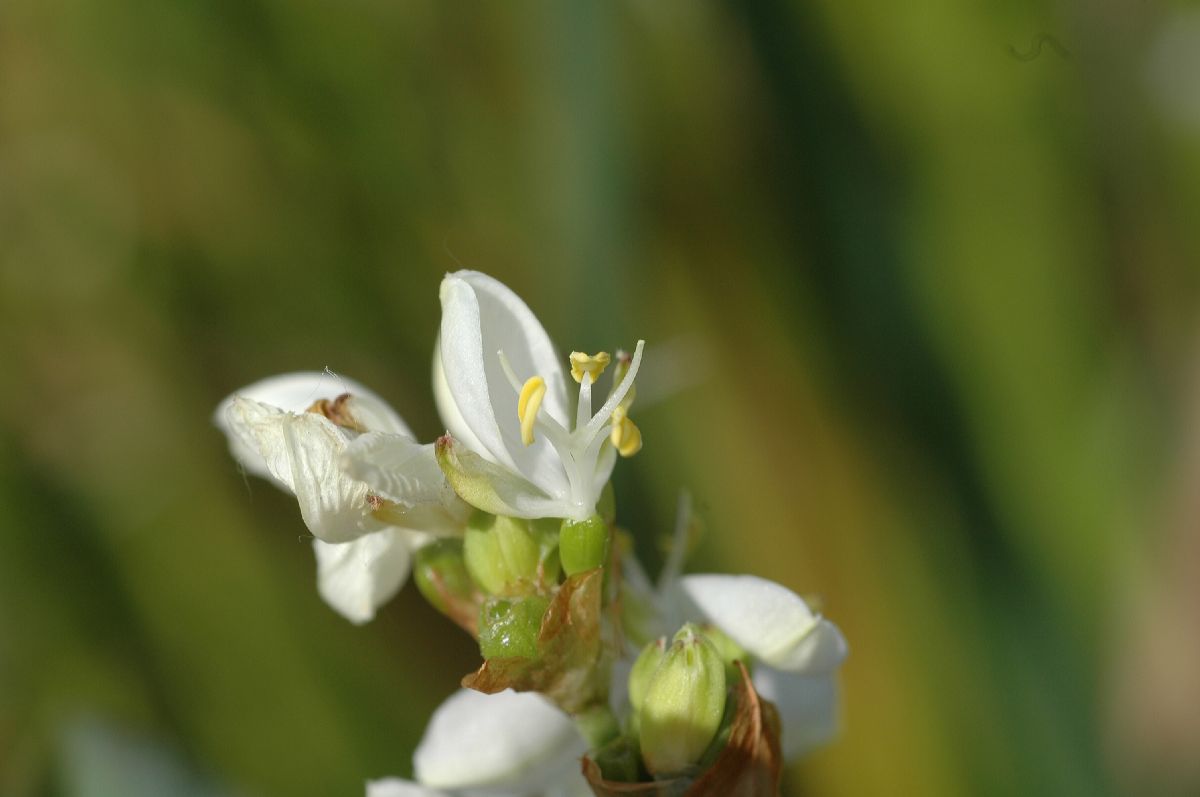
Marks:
<point>296,393</point>
<point>770,621</point>
<point>481,317</point>
<point>808,707</point>
<point>509,742</point>
<point>395,787</point>
<point>456,425</point>
<point>397,468</point>
<point>358,577</point>
<point>303,452</point>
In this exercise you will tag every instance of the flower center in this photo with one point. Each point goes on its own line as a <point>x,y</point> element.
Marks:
<point>579,447</point>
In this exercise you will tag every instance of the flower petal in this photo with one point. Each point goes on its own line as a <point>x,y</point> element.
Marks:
<point>481,317</point>
<point>456,425</point>
<point>395,787</point>
<point>297,392</point>
<point>770,621</point>
<point>358,577</point>
<point>509,742</point>
<point>302,452</point>
<point>808,707</point>
<point>491,487</point>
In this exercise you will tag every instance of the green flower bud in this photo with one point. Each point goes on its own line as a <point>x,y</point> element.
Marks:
<point>509,627</point>
<point>441,574</point>
<point>583,544</point>
<point>684,702</point>
<point>501,554</point>
<point>644,669</point>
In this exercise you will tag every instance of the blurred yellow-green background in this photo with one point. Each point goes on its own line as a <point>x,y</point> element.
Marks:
<point>920,289</point>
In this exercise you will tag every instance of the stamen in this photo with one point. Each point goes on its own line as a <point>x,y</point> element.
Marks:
<point>625,435</point>
<point>509,373</point>
<point>583,413</point>
<point>618,395</point>
<point>528,404</point>
<point>551,427</point>
<point>594,364</point>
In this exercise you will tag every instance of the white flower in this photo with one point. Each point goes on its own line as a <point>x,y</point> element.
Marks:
<point>502,392</point>
<point>503,745</point>
<point>369,493</point>
<point>798,652</point>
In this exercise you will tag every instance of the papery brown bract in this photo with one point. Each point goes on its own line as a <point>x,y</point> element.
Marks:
<point>572,666</point>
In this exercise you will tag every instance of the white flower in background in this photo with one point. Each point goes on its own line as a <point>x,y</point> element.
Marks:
<point>502,392</point>
<point>797,652</point>
<point>369,493</point>
<point>503,745</point>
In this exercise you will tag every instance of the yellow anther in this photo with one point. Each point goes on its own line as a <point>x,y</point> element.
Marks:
<point>528,405</point>
<point>588,364</point>
<point>625,436</point>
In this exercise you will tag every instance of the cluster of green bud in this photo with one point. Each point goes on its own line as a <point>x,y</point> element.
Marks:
<point>678,694</point>
<point>498,578</point>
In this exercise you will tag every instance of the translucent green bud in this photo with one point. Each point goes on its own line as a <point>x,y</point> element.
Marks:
<point>684,702</point>
<point>501,554</point>
<point>583,544</point>
<point>509,627</point>
<point>644,669</point>
<point>441,574</point>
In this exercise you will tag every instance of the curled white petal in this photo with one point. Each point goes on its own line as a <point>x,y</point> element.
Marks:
<point>396,787</point>
<point>302,452</point>
<point>480,318</point>
<point>507,743</point>
<point>358,577</point>
<point>296,392</point>
<point>406,473</point>
<point>807,704</point>
<point>768,620</point>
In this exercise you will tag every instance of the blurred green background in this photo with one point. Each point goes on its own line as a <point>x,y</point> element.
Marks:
<point>922,313</point>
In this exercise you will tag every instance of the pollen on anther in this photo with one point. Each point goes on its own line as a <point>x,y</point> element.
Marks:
<point>528,404</point>
<point>593,364</point>
<point>625,435</point>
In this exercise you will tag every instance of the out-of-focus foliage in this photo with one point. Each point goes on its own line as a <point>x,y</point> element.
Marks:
<point>920,288</point>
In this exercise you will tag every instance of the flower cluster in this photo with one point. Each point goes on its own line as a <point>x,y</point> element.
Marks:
<point>698,685</point>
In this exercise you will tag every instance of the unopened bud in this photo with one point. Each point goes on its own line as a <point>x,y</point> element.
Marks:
<point>509,627</point>
<point>583,544</point>
<point>684,702</point>
<point>441,574</point>
<point>644,669</point>
<point>501,554</point>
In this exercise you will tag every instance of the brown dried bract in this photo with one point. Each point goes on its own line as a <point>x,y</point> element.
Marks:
<point>338,412</point>
<point>571,668</point>
<point>748,766</point>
